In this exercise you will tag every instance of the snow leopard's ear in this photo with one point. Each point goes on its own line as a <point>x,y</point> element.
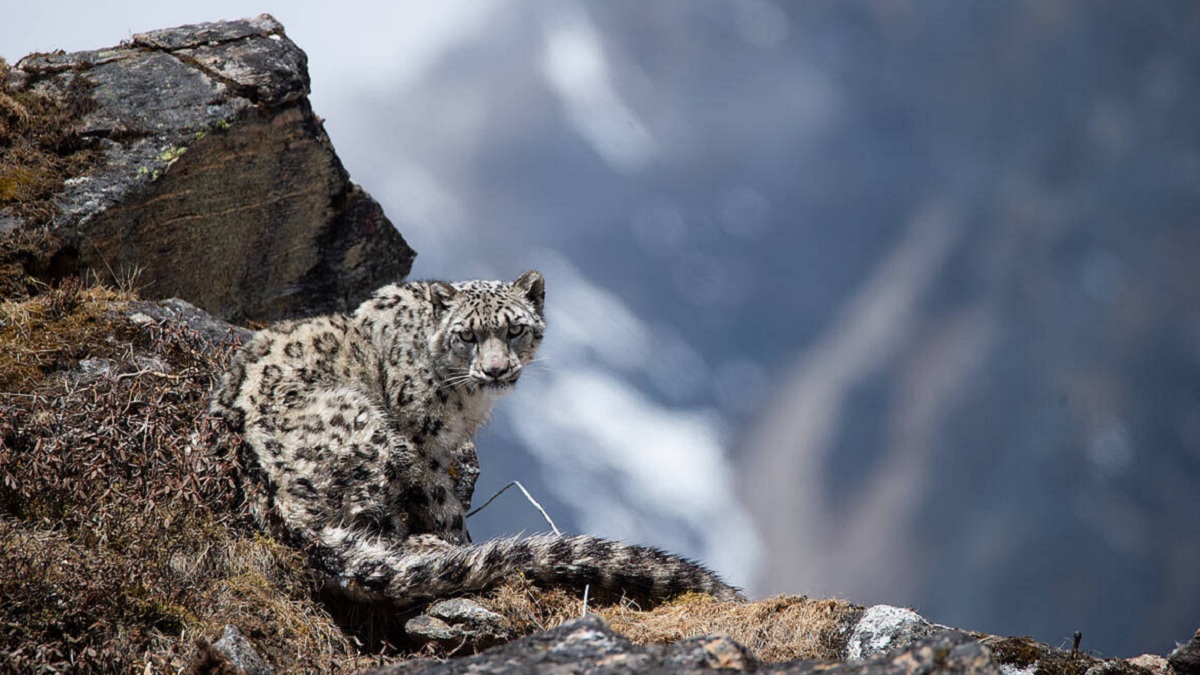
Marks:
<point>440,295</point>
<point>533,287</point>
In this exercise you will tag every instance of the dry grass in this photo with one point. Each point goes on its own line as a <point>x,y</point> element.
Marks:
<point>781,628</point>
<point>52,332</point>
<point>122,532</point>
<point>776,629</point>
<point>39,146</point>
<point>31,259</point>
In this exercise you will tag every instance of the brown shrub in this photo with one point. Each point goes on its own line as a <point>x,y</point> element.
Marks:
<point>122,532</point>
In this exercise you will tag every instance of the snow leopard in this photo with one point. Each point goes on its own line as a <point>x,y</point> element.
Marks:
<point>360,428</point>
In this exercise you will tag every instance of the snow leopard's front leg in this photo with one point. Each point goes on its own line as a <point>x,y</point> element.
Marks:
<point>464,469</point>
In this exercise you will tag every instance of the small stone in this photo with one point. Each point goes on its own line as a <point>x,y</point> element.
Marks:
<point>233,653</point>
<point>948,652</point>
<point>1151,662</point>
<point>458,611</point>
<point>726,654</point>
<point>432,629</point>
<point>883,629</point>
<point>459,622</point>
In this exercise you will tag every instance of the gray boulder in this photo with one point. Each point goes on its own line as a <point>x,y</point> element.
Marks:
<point>218,183</point>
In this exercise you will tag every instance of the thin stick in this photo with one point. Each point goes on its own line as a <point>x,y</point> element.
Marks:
<point>586,587</point>
<point>527,496</point>
<point>155,373</point>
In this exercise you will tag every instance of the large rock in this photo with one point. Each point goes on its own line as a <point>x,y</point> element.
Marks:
<point>219,184</point>
<point>1186,657</point>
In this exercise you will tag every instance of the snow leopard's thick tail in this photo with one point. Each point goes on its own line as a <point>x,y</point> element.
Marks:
<point>423,568</point>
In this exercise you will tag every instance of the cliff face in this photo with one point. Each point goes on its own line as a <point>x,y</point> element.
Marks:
<point>217,182</point>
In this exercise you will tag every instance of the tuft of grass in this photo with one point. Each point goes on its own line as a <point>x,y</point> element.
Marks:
<point>55,331</point>
<point>781,628</point>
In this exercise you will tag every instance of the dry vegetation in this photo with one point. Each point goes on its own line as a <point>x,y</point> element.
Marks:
<point>30,260</point>
<point>123,536</point>
<point>39,145</point>
<point>776,629</point>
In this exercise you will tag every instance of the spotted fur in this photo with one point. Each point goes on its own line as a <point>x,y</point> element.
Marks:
<point>361,427</point>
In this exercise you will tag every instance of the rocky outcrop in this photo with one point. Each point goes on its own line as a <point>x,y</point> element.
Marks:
<point>218,184</point>
<point>884,641</point>
<point>590,645</point>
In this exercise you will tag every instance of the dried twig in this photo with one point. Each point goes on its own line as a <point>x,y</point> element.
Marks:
<point>527,496</point>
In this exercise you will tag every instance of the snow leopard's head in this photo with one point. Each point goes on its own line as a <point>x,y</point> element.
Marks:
<point>487,330</point>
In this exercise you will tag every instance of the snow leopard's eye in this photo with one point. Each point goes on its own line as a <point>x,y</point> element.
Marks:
<point>466,336</point>
<point>516,331</point>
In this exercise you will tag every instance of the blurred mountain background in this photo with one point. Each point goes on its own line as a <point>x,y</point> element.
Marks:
<point>895,301</point>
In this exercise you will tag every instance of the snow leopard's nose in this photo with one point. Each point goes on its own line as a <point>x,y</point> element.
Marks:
<point>493,359</point>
